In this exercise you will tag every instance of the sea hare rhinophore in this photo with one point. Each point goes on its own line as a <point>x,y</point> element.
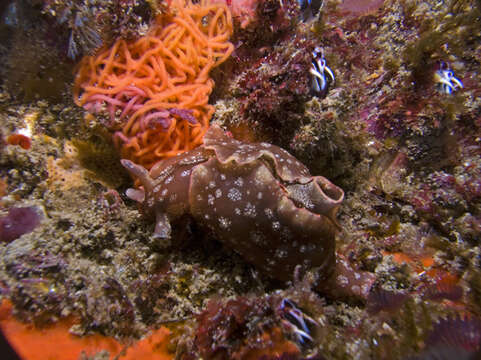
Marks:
<point>257,199</point>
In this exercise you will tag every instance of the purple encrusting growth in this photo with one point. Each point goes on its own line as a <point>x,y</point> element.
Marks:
<point>256,198</point>
<point>18,221</point>
<point>459,331</point>
<point>385,300</point>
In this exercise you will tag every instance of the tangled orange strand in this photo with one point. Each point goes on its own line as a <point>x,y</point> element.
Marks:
<point>156,90</point>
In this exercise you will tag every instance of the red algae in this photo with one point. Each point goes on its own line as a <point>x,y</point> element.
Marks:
<point>56,342</point>
<point>242,328</point>
<point>361,7</point>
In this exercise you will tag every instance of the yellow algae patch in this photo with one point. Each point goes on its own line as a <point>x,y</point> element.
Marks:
<point>64,173</point>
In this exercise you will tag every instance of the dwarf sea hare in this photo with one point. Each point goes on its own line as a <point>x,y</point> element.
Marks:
<point>257,199</point>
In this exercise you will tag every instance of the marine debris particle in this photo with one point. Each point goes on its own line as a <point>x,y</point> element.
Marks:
<point>154,91</point>
<point>21,140</point>
<point>18,221</point>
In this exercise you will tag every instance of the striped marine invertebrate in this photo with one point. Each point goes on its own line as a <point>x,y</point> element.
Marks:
<point>258,200</point>
<point>154,92</point>
<point>445,79</point>
<point>322,75</point>
<point>296,322</point>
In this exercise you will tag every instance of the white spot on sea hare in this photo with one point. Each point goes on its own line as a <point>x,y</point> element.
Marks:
<point>280,253</point>
<point>250,210</point>
<point>342,280</point>
<point>224,223</point>
<point>234,194</point>
<point>239,182</point>
<point>365,289</point>
<point>269,213</point>
<point>218,193</point>
<point>210,199</point>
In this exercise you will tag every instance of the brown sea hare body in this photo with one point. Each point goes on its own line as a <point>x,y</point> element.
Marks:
<point>256,198</point>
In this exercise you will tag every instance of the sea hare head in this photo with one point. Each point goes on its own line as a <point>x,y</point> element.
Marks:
<point>257,199</point>
<point>319,196</point>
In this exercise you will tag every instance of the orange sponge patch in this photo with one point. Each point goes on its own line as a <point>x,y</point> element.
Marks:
<point>155,90</point>
<point>56,342</point>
